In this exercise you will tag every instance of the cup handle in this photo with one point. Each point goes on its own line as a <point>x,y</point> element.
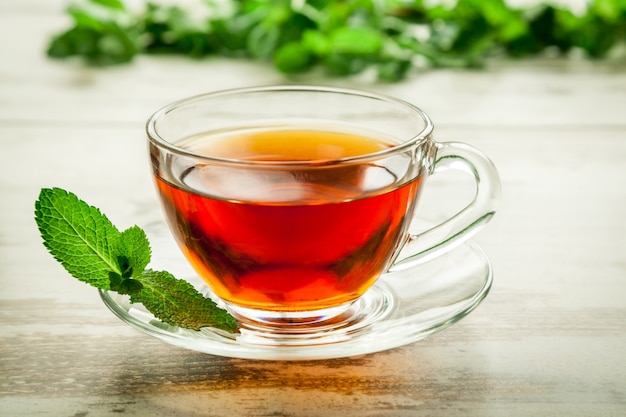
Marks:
<point>422,247</point>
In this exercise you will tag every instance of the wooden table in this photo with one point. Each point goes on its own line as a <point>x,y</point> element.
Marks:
<point>550,339</point>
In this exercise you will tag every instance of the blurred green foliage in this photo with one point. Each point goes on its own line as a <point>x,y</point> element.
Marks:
<point>343,37</point>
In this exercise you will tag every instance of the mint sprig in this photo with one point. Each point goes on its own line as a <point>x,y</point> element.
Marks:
<point>389,38</point>
<point>94,251</point>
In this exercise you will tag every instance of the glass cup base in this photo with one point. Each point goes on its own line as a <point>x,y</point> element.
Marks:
<point>313,327</point>
<point>287,319</point>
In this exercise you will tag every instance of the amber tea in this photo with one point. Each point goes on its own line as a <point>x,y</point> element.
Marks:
<point>287,236</point>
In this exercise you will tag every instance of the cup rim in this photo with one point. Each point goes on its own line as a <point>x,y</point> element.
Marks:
<point>154,137</point>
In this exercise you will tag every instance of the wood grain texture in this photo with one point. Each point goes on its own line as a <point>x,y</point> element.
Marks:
<point>549,340</point>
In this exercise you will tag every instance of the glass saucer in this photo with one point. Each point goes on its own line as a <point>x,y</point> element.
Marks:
<point>401,308</point>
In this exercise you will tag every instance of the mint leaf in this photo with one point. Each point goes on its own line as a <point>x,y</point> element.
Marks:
<point>112,4</point>
<point>292,58</point>
<point>94,251</point>
<point>79,236</point>
<point>349,36</point>
<point>177,302</point>
<point>356,40</point>
<point>134,246</point>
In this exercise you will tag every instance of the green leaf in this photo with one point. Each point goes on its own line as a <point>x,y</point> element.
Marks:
<point>115,46</point>
<point>111,4</point>
<point>84,19</point>
<point>79,236</point>
<point>393,70</point>
<point>177,302</point>
<point>316,42</point>
<point>94,251</point>
<point>344,64</point>
<point>356,41</point>
<point>76,41</point>
<point>345,37</point>
<point>292,58</point>
<point>263,40</point>
<point>135,248</point>
<point>124,284</point>
<point>607,10</point>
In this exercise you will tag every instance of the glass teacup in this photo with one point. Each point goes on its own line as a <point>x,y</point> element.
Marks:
<point>291,201</point>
